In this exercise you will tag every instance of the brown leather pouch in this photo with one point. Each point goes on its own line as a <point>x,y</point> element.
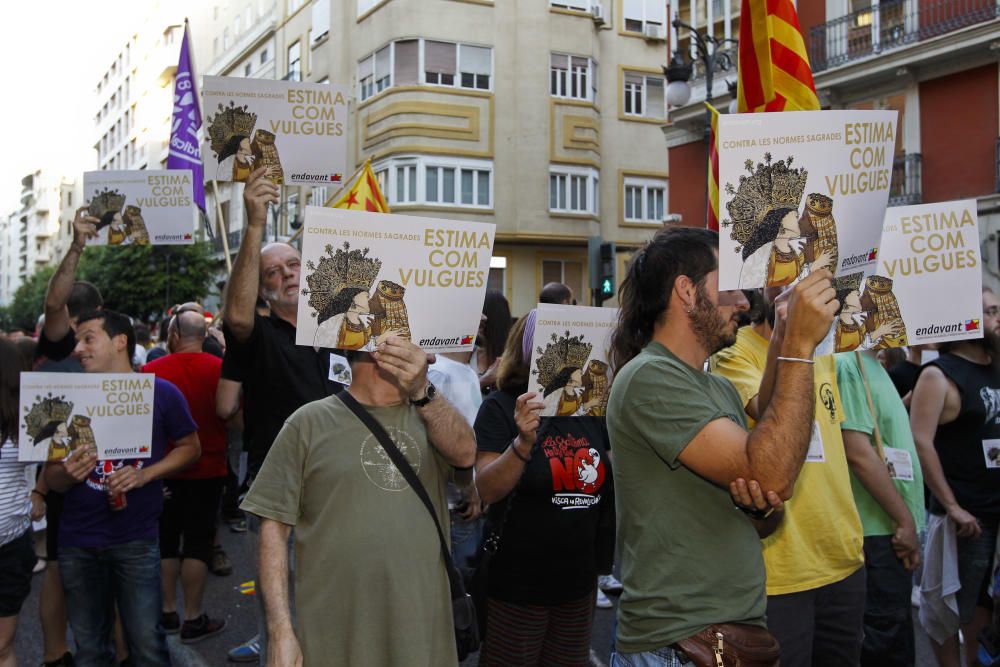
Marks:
<point>731,645</point>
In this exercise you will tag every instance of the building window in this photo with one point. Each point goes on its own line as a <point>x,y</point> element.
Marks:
<point>318,196</point>
<point>365,5</point>
<point>225,38</point>
<point>565,271</point>
<point>236,25</point>
<point>645,200</point>
<point>437,182</point>
<point>578,5</point>
<point>247,69</point>
<point>638,14</point>
<point>263,56</point>
<point>445,64</point>
<point>644,96</point>
<point>215,50</point>
<point>573,77</point>
<point>294,62</point>
<point>294,6</point>
<point>573,190</point>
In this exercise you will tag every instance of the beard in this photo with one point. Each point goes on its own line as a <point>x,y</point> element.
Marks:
<point>991,343</point>
<point>708,325</point>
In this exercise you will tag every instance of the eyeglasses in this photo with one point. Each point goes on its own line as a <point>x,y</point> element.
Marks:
<point>992,311</point>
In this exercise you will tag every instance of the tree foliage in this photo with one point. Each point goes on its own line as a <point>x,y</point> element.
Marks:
<point>29,300</point>
<point>145,281</point>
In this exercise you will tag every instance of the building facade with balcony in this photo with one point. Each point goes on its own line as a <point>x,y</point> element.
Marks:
<point>39,232</point>
<point>540,117</point>
<point>933,61</point>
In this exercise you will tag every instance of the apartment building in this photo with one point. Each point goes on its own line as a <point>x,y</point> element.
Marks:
<point>541,117</point>
<point>39,232</point>
<point>933,61</point>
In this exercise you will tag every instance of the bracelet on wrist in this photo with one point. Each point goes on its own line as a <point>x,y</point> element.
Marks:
<point>513,447</point>
<point>760,515</point>
<point>39,493</point>
<point>797,359</point>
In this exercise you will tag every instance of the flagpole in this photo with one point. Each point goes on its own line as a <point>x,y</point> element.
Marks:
<point>220,223</point>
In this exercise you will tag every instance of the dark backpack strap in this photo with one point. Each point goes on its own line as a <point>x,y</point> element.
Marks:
<point>454,578</point>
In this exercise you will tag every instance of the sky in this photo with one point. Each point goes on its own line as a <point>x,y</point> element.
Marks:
<point>51,55</point>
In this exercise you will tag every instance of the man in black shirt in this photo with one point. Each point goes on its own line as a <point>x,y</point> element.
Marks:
<point>955,418</point>
<point>278,376</point>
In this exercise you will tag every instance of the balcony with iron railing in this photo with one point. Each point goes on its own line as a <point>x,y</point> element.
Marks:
<point>904,189</point>
<point>234,239</point>
<point>891,24</point>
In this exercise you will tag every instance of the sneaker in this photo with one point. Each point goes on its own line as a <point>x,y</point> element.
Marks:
<point>610,585</point>
<point>220,563</point>
<point>248,651</point>
<point>65,661</point>
<point>201,628</point>
<point>170,622</point>
<point>602,600</point>
<point>238,526</point>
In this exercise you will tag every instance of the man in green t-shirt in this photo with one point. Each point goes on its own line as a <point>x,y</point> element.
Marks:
<point>888,488</point>
<point>682,452</point>
<point>371,586</point>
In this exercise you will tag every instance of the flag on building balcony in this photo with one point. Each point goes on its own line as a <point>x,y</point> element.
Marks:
<point>185,151</point>
<point>363,194</point>
<point>713,171</point>
<point>774,72</point>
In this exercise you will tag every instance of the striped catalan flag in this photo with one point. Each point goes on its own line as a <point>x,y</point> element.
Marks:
<point>713,171</point>
<point>363,194</point>
<point>774,72</point>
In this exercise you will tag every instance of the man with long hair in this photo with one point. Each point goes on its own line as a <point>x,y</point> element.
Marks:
<point>682,452</point>
<point>955,418</point>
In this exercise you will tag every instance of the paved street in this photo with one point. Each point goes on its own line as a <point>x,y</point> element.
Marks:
<point>223,598</point>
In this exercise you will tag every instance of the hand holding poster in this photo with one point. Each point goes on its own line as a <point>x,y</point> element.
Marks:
<point>569,365</point>
<point>801,191</point>
<point>928,288</point>
<point>61,412</point>
<point>297,130</point>
<point>143,207</point>
<point>369,276</point>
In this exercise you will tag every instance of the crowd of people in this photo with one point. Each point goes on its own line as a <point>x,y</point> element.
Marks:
<point>764,503</point>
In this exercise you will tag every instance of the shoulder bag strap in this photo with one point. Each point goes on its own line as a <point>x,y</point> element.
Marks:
<point>871,404</point>
<point>454,578</point>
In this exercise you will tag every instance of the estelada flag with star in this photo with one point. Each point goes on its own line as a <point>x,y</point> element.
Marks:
<point>363,194</point>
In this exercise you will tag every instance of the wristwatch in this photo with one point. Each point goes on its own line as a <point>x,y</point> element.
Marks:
<point>430,393</point>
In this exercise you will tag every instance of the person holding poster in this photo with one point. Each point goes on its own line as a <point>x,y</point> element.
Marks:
<point>681,444</point>
<point>108,552</point>
<point>362,537</point>
<point>955,417</point>
<point>888,490</point>
<point>547,480</point>
<point>814,560</point>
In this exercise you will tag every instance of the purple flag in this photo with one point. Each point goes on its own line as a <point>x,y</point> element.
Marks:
<point>185,152</point>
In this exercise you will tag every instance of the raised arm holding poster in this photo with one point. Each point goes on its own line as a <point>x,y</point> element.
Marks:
<point>569,365</point>
<point>801,191</point>
<point>928,287</point>
<point>142,207</point>
<point>297,130</point>
<point>60,412</point>
<point>370,276</point>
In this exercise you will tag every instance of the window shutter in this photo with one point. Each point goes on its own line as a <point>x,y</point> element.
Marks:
<point>439,57</point>
<point>407,62</point>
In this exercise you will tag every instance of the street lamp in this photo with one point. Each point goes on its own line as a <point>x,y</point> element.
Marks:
<point>282,209</point>
<point>713,56</point>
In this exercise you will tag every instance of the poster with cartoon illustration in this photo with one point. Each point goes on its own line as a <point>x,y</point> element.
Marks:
<point>297,130</point>
<point>141,207</point>
<point>928,284</point>
<point>367,276</point>
<point>801,191</point>
<point>61,412</point>
<point>569,362</point>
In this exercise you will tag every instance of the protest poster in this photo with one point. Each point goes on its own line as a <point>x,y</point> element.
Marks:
<point>801,191</point>
<point>297,130</point>
<point>141,207</point>
<point>61,412</point>
<point>928,283</point>
<point>569,362</point>
<point>371,275</point>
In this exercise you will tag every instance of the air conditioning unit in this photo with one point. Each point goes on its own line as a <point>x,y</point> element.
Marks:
<point>654,32</point>
<point>598,11</point>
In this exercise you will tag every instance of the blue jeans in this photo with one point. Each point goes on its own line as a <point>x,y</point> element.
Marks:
<point>94,581</point>
<point>661,657</point>
<point>465,539</point>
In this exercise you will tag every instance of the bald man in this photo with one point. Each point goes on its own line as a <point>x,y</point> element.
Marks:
<point>187,525</point>
<point>278,376</point>
<point>557,293</point>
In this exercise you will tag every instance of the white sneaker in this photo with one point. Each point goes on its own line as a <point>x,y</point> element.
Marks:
<point>608,584</point>
<point>602,600</point>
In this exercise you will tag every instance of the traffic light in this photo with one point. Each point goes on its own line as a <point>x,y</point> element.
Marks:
<point>606,275</point>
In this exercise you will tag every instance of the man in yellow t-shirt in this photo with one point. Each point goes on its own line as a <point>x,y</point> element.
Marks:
<point>814,560</point>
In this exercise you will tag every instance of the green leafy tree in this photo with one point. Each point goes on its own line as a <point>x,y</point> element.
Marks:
<point>145,281</point>
<point>29,300</point>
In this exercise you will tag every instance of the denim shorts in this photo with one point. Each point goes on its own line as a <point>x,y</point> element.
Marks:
<point>661,657</point>
<point>975,561</point>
